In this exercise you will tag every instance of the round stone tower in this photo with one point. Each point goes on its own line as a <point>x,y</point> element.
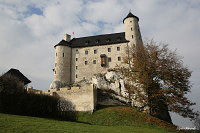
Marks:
<point>62,70</point>
<point>132,29</point>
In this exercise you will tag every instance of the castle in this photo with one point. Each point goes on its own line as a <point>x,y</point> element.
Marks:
<point>81,58</point>
<point>90,59</point>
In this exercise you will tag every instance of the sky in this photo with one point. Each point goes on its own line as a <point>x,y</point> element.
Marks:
<point>29,29</point>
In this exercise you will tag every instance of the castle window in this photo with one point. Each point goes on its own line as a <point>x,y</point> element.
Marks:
<point>118,48</point>
<point>87,42</point>
<point>97,41</point>
<point>119,58</point>
<point>130,21</point>
<point>94,61</point>
<point>103,60</point>
<point>63,54</point>
<point>86,52</point>
<point>86,62</point>
<point>76,76</point>
<point>132,36</point>
<point>108,40</point>
<point>56,54</point>
<point>109,59</point>
<point>76,67</point>
<point>119,39</point>
<point>95,51</point>
<point>76,51</point>
<point>55,64</point>
<point>76,59</point>
<point>55,71</point>
<point>109,49</point>
<point>131,28</point>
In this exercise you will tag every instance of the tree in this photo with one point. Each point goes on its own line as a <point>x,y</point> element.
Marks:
<point>161,75</point>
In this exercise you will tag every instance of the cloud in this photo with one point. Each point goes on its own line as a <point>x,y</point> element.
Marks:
<point>30,29</point>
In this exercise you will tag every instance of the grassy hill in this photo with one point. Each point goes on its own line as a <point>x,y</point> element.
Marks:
<point>112,119</point>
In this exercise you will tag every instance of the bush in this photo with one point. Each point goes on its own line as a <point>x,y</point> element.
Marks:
<point>14,99</point>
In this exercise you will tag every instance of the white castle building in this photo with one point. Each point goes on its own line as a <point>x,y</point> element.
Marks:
<point>80,58</point>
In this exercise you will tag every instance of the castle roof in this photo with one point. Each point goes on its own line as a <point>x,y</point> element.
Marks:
<point>16,73</point>
<point>97,40</point>
<point>129,16</point>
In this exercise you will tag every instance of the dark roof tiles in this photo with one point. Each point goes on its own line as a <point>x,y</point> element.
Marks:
<point>129,16</point>
<point>97,40</point>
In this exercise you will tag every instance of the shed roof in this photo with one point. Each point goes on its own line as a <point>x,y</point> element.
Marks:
<point>16,73</point>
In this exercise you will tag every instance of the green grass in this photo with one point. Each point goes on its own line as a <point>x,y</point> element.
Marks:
<point>107,120</point>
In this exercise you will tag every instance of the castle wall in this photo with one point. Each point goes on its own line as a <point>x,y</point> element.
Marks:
<point>62,64</point>
<point>76,98</point>
<point>80,70</point>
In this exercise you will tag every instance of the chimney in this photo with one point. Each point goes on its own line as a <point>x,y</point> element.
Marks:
<point>67,37</point>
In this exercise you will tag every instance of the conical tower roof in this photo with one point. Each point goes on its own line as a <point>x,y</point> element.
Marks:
<point>129,16</point>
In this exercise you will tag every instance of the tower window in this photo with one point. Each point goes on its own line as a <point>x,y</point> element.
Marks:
<point>118,48</point>
<point>86,52</point>
<point>55,64</point>
<point>94,61</point>
<point>63,54</point>
<point>132,36</point>
<point>76,67</point>
<point>86,62</point>
<point>55,71</point>
<point>130,21</point>
<point>56,54</point>
<point>109,59</point>
<point>76,59</point>
<point>76,76</point>
<point>109,49</point>
<point>76,51</point>
<point>119,58</point>
<point>131,28</point>
<point>95,51</point>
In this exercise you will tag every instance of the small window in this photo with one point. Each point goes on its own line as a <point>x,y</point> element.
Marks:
<point>109,49</point>
<point>109,59</point>
<point>119,58</point>
<point>130,21</point>
<point>56,54</point>
<point>95,51</point>
<point>76,67</point>
<point>55,64</point>
<point>108,40</point>
<point>94,62</point>
<point>97,41</point>
<point>87,42</point>
<point>76,76</point>
<point>119,39</point>
<point>63,54</point>
<point>118,48</point>
<point>55,72</point>
<point>86,62</point>
<point>86,52</point>
<point>76,51</point>
<point>131,28</point>
<point>132,36</point>
<point>76,59</point>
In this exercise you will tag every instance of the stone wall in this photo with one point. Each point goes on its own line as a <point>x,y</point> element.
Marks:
<point>82,98</point>
<point>80,70</point>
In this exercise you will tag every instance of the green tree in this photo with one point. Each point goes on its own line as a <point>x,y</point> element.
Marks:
<point>161,75</point>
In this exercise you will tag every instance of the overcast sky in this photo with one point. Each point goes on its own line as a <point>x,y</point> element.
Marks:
<point>30,28</point>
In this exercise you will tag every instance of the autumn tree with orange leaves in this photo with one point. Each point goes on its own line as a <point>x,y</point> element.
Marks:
<point>162,75</point>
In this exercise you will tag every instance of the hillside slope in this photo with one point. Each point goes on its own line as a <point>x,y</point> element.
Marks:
<point>113,119</point>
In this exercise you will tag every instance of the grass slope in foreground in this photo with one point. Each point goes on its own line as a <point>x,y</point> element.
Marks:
<point>19,124</point>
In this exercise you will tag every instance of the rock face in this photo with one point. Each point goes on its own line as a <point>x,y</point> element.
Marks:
<point>112,91</point>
